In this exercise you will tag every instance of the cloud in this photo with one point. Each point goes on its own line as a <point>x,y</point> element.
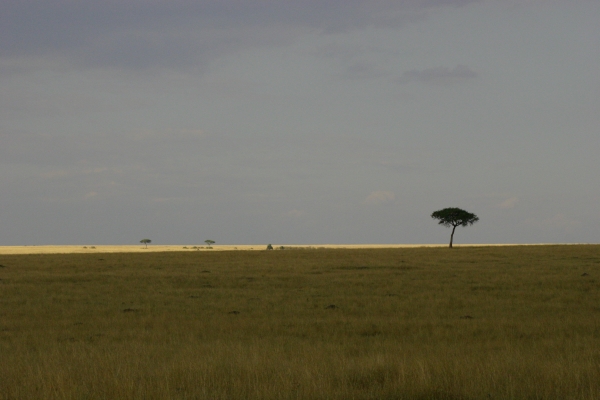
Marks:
<point>439,75</point>
<point>379,197</point>
<point>508,203</point>
<point>181,33</point>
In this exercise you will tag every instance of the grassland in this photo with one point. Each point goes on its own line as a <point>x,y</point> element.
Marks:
<point>89,249</point>
<point>423,323</point>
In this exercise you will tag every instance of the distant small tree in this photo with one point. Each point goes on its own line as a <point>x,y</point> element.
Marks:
<point>209,242</point>
<point>146,241</point>
<point>269,247</point>
<point>453,217</point>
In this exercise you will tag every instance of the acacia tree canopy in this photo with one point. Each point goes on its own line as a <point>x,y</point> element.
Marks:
<point>453,217</point>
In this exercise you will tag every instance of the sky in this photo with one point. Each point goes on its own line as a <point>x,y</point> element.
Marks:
<point>298,121</point>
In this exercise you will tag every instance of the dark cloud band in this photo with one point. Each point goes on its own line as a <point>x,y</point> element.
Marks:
<point>143,33</point>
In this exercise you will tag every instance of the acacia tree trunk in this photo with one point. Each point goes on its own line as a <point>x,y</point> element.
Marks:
<point>452,235</point>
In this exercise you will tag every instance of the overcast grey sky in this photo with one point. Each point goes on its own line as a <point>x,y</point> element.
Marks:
<point>298,121</point>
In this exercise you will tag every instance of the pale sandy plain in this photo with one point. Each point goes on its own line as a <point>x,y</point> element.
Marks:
<point>82,249</point>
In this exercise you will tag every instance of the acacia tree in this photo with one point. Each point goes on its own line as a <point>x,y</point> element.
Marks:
<point>145,241</point>
<point>453,217</point>
<point>209,242</point>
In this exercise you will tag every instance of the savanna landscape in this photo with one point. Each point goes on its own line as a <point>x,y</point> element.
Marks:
<point>513,322</point>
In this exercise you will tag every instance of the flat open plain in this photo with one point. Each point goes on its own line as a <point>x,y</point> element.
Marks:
<point>136,248</point>
<point>493,322</point>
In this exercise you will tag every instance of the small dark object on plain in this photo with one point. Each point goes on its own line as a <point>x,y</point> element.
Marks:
<point>331,307</point>
<point>235,312</point>
<point>466,317</point>
<point>130,310</point>
<point>269,247</point>
<point>101,259</point>
<point>2,266</point>
<point>584,274</point>
<point>205,271</point>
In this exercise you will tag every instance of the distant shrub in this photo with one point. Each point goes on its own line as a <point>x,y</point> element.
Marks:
<point>269,247</point>
<point>281,248</point>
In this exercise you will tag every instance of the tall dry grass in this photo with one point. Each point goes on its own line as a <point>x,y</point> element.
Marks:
<point>467,323</point>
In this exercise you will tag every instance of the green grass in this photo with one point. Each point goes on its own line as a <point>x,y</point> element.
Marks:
<point>424,323</point>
